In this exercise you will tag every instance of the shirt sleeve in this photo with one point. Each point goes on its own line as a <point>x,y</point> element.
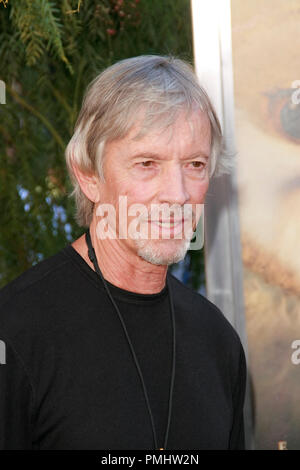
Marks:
<point>16,399</point>
<point>237,435</point>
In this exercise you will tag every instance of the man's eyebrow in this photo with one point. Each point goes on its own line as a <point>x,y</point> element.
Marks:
<point>157,156</point>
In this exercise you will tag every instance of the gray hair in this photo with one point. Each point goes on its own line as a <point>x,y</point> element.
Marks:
<point>160,85</point>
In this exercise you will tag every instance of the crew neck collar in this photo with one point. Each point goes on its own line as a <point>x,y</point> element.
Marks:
<point>116,291</point>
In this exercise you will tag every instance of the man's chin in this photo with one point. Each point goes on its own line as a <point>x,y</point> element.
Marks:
<point>162,252</point>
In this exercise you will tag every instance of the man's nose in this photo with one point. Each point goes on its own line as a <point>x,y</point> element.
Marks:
<point>172,186</point>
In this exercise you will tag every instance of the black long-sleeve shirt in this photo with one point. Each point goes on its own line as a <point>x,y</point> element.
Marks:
<point>68,379</point>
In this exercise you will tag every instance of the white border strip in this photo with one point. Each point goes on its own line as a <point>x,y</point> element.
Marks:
<point>223,267</point>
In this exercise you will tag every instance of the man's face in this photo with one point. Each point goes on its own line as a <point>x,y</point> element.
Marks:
<point>163,167</point>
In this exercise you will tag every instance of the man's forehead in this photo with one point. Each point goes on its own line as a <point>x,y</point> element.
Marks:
<point>189,135</point>
<point>194,125</point>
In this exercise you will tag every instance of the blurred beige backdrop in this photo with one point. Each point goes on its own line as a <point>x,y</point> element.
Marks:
<point>266,62</point>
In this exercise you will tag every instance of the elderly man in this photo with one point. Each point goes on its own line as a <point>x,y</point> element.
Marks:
<point>105,349</point>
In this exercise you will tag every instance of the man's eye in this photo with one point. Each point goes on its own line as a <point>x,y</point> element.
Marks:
<point>146,164</point>
<point>198,165</point>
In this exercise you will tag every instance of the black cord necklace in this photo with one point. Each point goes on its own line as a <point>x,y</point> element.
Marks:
<point>93,258</point>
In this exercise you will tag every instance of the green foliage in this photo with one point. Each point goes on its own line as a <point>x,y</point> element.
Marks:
<point>49,52</point>
<point>39,29</point>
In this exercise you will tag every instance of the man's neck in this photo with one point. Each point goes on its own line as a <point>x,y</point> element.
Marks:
<point>121,266</point>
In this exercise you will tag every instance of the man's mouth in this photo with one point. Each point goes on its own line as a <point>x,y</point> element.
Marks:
<point>168,223</point>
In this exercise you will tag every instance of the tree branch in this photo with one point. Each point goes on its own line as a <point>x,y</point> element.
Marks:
<point>36,113</point>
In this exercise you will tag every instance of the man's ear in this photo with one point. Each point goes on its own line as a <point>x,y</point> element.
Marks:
<point>89,183</point>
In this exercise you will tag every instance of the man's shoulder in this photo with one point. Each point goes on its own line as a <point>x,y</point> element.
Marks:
<point>30,291</point>
<point>33,276</point>
<point>204,314</point>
